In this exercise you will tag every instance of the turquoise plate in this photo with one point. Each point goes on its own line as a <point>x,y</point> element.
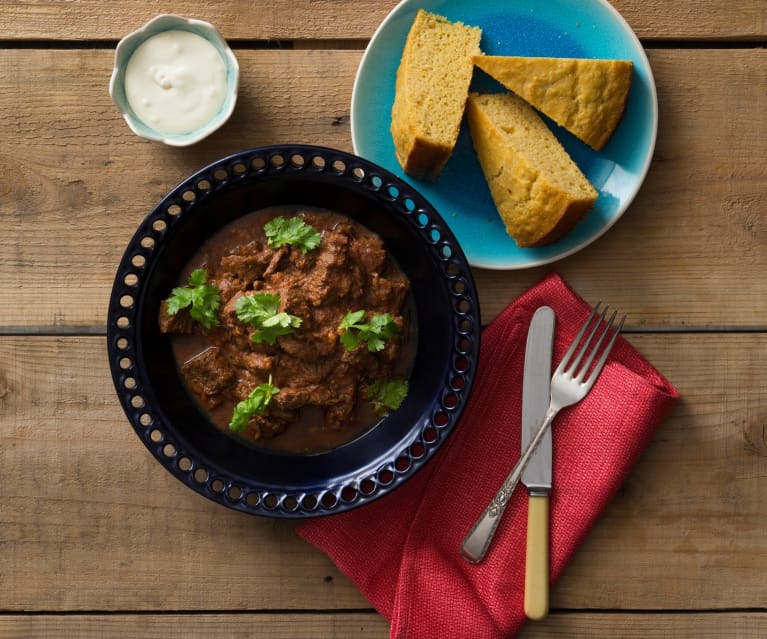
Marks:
<point>556,28</point>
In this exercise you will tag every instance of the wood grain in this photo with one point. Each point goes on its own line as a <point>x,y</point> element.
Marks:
<point>91,522</point>
<point>97,540</point>
<point>333,19</point>
<point>361,625</point>
<point>74,184</point>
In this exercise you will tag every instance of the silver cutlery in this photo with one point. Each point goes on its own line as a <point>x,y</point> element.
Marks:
<point>570,383</point>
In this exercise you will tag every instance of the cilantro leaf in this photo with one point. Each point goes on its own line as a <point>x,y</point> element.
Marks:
<point>350,340</point>
<point>255,404</point>
<point>387,395</point>
<point>351,318</point>
<point>292,230</point>
<point>198,277</point>
<point>274,326</point>
<point>374,333</point>
<point>261,310</point>
<point>253,309</point>
<point>180,298</point>
<point>203,298</point>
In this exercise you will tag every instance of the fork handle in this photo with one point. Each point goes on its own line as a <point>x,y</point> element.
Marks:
<point>476,543</point>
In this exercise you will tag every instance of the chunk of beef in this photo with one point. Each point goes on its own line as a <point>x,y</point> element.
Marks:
<point>295,397</point>
<point>310,345</point>
<point>208,374</point>
<point>331,276</point>
<point>268,425</point>
<point>275,260</point>
<point>338,414</point>
<point>247,268</point>
<point>296,370</point>
<point>336,400</point>
<point>254,361</point>
<point>246,382</point>
<point>370,253</point>
<point>229,286</point>
<point>385,292</point>
<point>237,330</point>
<point>179,324</point>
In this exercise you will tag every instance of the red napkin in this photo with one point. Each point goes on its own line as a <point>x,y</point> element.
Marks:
<point>402,551</point>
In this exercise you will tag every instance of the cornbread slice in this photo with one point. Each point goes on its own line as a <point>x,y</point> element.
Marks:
<point>430,92</point>
<point>587,97</point>
<point>539,191</point>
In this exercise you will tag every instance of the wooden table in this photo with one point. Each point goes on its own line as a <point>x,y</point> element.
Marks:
<point>97,540</point>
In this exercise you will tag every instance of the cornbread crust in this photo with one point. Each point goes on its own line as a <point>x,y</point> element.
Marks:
<point>539,192</point>
<point>587,97</point>
<point>430,93</point>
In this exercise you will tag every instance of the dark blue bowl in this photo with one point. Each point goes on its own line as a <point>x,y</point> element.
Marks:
<point>256,480</point>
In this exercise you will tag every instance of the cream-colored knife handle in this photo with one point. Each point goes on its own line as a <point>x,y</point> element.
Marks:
<point>537,559</point>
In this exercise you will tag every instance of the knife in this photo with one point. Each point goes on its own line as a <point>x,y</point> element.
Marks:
<point>537,476</point>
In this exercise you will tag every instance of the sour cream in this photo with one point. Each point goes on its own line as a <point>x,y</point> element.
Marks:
<point>175,81</point>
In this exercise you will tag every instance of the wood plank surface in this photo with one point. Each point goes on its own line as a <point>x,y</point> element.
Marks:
<point>75,182</point>
<point>333,19</point>
<point>360,625</point>
<point>98,540</point>
<point>91,522</point>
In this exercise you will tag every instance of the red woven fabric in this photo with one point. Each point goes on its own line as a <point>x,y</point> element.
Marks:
<point>402,551</point>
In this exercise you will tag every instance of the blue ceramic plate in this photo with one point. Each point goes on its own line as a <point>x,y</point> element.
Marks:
<point>556,28</point>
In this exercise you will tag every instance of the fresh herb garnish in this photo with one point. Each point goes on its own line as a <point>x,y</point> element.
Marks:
<point>292,230</point>
<point>253,309</point>
<point>262,311</point>
<point>203,298</point>
<point>375,332</point>
<point>387,395</point>
<point>273,327</point>
<point>256,403</point>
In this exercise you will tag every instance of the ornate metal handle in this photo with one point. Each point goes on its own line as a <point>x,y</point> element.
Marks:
<point>478,540</point>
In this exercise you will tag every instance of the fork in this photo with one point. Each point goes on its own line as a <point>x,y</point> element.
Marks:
<point>570,383</point>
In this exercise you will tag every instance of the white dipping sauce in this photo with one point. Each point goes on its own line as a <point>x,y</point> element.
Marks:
<point>175,81</point>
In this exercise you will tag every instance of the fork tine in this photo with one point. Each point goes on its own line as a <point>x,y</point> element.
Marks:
<point>600,364</point>
<point>595,349</point>
<point>576,340</point>
<point>574,367</point>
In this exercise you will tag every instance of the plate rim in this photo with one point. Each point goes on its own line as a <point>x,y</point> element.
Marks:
<point>403,5</point>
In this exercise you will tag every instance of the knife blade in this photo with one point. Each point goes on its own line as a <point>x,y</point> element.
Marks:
<point>537,476</point>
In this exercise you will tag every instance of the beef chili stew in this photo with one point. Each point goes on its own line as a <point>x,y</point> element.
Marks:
<point>293,328</point>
